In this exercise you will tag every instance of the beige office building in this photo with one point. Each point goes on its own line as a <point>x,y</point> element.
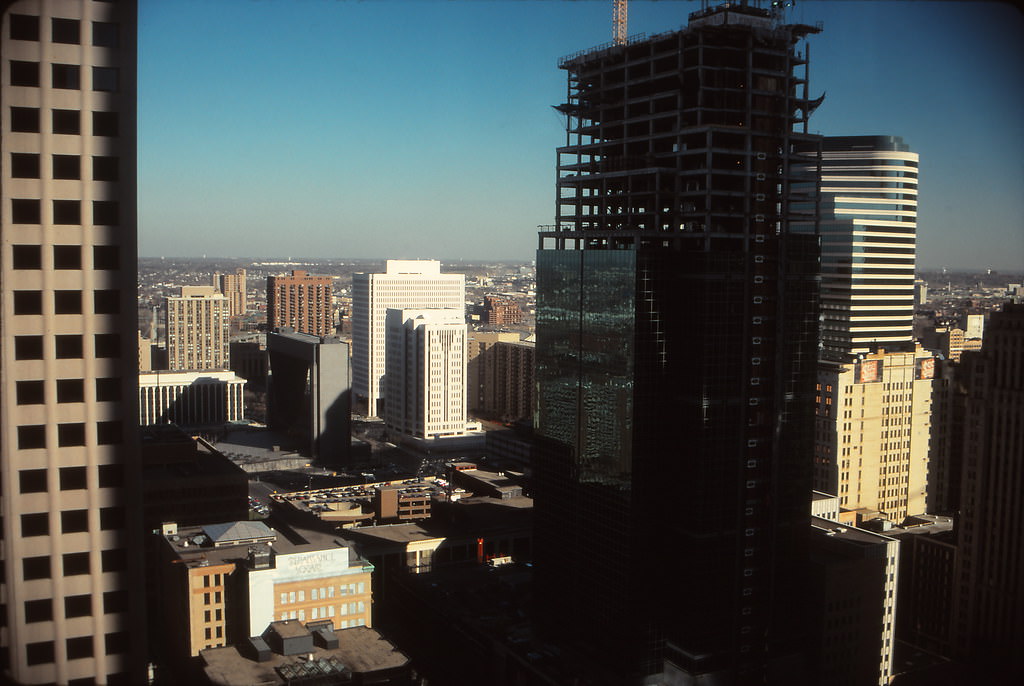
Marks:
<point>233,287</point>
<point>198,327</point>
<point>70,593</point>
<point>872,432</point>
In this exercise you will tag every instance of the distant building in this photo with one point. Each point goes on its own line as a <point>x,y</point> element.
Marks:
<point>234,288</point>
<point>920,292</point>
<point>500,311</point>
<point>405,284</point>
<point>973,325</point>
<point>426,372</point>
<point>198,327</point>
<point>301,302</point>
<point>479,369</point>
<point>310,393</point>
<point>988,626</point>
<point>947,341</point>
<point>145,354</point>
<point>873,431</point>
<point>250,360</point>
<point>193,399</point>
<point>853,593</point>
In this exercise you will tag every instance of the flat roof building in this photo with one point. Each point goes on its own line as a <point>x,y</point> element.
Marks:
<point>302,302</point>
<point>198,327</point>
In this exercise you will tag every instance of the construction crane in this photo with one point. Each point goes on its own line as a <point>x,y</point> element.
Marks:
<point>619,19</point>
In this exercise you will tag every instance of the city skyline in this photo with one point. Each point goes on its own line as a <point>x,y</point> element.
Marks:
<point>348,122</point>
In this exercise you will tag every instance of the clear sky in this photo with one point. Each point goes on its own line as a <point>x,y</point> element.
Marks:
<point>424,128</point>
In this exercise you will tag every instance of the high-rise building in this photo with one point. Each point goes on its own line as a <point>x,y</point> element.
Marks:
<point>425,372</point>
<point>676,344</point>
<point>868,245</point>
<point>233,287</point>
<point>198,328</point>
<point>302,302</point>
<point>70,598</point>
<point>405,284</point>
<point>988,625</point>
<point>479,369</point>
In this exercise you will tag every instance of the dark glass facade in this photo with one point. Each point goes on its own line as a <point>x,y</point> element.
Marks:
<point>676,346</point>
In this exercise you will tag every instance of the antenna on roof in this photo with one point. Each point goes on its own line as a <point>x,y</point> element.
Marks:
<point>619,20</point>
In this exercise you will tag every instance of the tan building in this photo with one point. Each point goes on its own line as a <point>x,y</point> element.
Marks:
<point>300,301</point>
<point>233,287</point>
<point>479,374</point>
<point>70,599</point>
<point>198,327</point>
<point>872,432</point>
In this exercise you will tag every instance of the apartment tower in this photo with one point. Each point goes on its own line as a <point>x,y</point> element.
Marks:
<point>302,302</point>
<point>198,327</point>
<point>404,284</point>
<point>70,598</point>
<point>676,343</point>
<point>234,288</point>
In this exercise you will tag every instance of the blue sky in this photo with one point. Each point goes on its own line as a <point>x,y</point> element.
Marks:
<point>424,128</point>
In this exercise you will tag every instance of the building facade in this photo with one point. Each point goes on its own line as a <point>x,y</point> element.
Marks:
<point>676,338</point>
<point>426,372</point>
<point>479,370</point>
<point>404,284</point>
<point>868,245</point>
<point>500,311</point>
<point>234,288</point>
<point>192,399</point>
<point>198,328</point>
<point>302,302</point>
<point>70,604</point>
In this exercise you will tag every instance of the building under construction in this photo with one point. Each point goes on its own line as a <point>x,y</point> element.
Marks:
<point>676,346</point>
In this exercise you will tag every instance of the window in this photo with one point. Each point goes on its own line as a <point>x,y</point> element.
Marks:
<point>35,567</point>
<point>104,79</point>
<point>104,123</point>
<point>32,480</point>
<point>72,478</point>
<point>39,653</point>
<point>67,257</point>
<point>38,610</point>
<point>115,601</point>
<point>28,302</point>
<point>74,521</point>
<point>65,31</point>
<point>79,647</point>
<point>28,347</point>
<point>66,121</point>
<point>114,560</point>
<point>24,27</point>
<point>105,34</point>
<point>24,165</point>
<point>116,643</point>
<point>106,302</point>
<point>69,347</point>
<point>24,74</point>
<point>67,212</point>
<point>105,168</point>
<point>31,437</point>
<point>111,475</point>
<point>26,256</point>
<point>37,524</point>
<point>25,119</point>
<point>105,213</point>
<point>108,345</point>
<point>105,257</point>
<point>70,391</point>
<point>112,518</point>
<point>76,563</point>
<point>30,392</point>
<point>72,434</point>
<point>25,211</point>
<point>108,389</point>
<point>67,302</point>
<point>67,76</point>
<point>67,167</point>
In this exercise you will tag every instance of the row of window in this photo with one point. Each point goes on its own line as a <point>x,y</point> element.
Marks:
<point>69,31</point>
<point>71,478</point>
<point>322,593</point>
<point>71,521</point>
<point>69,435</point>
<point>68,346</point>
<point>75,606</point>
<point>67,302</point>
<point>65,257</point>
<point>33,391</point>
<point>29,211</point>
<point>64,76</point>
<point>42,652</point>
<point>74,564</point>
<point>25,165</point>
<point>26,120</point>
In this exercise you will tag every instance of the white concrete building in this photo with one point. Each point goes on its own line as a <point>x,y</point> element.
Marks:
<point>190,398</point>
<point>405,284</point>
<point>426,372</point>
<point>198,327</point>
